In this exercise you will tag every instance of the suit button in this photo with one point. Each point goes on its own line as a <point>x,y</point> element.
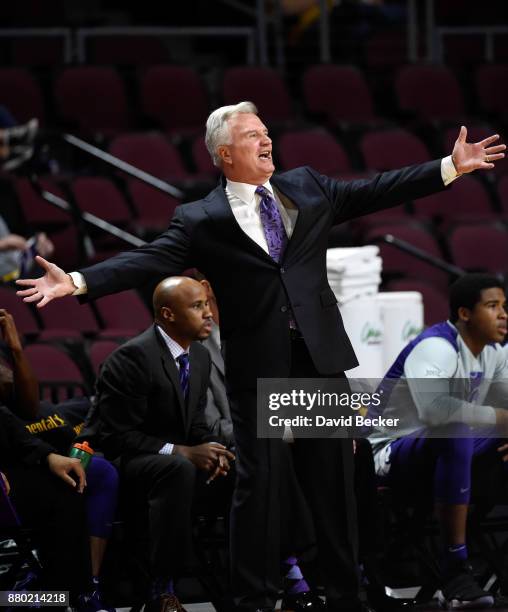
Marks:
<point>283,308</point>
<point>283,270</point>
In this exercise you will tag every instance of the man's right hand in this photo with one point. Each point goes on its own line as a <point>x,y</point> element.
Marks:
<point>54,284</point>
<point>204,456</point>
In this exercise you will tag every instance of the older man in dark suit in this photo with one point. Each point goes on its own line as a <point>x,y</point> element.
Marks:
<point>151,394</point>
<point>261,241</point>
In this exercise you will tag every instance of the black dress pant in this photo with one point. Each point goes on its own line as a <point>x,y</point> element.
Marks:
<point>163,493</point>
<point>57,513</point>
<point>288,498</point>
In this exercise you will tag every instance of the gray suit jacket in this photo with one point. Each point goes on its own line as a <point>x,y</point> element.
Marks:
<point>217,413</point>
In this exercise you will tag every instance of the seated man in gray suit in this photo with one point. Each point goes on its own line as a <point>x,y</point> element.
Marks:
<point>151,395</point>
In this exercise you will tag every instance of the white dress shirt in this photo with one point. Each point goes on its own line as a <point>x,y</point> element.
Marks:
<point>244,203</point>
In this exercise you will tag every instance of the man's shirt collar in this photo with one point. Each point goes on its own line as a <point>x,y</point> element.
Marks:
<point>245,191</point>
<point>174,348</point>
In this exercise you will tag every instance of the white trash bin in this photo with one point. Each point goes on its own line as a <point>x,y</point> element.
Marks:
<point>363,324</point>
<point>402,319</point>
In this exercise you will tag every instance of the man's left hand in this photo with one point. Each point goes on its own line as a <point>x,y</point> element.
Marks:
<point>469,156</point>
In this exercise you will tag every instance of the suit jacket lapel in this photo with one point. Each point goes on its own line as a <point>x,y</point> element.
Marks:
<point>294,194</point>
<point>219,210</point>
<point>215,353</point>
<point>169,367</point>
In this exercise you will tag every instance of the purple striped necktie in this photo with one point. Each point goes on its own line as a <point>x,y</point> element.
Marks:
<point>184,371</point>
<point>271,219</point>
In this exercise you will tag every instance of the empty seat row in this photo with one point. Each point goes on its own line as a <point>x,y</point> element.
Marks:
<point>478,247</point>
<point>116,316</point>
<point>142,207</point>
<point>94,98</point>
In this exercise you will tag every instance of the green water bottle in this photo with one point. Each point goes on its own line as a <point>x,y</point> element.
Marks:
<point>83,452</point>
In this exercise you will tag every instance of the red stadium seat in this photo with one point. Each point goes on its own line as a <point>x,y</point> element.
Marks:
<point>69,253</point>
<point>431,92</point>
<point>36,211</point>
<point>66,318</point>
<point>502,192</point>
<point>397,262</point>
<point>150,152</point>
<point>99,351</point>
<point>340,93</point>
<point>123,314</point>
<point>392,149</point>
<point>315,148</point>
<point>492,88</point>
<point>101,197</point>
<point>53,367</point>
<point>435,302</point>
<point>155,209</point>
<point>481,247</point>
<point>21,94</point>
<point>264,87</point>
<point>175,97</point>
<point>465,200</point>
<point>23,314</point>
<point>202,158</point>
<point>93,98</point>
<point>52,364</point>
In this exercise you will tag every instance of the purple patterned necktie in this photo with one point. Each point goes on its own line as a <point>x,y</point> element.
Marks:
<point>183,361</point>
<point>273,227</point>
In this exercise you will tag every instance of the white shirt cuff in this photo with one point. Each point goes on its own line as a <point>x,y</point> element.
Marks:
<point>167,449</point>
<point>79,282</point>
<point>448,172</point>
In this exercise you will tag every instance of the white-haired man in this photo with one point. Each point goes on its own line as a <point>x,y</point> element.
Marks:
<point>261,241</point>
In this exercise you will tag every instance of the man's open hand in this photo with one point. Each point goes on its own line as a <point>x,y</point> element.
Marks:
<point>469,156</point>
<point>54,284</point>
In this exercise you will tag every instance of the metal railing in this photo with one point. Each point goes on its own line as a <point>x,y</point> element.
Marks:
<point>65,33</point>
<point>489,32</point>
<point>83,35</point>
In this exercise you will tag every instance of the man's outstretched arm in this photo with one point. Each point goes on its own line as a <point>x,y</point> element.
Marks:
<point>167,255</point>
<point>356,198</point>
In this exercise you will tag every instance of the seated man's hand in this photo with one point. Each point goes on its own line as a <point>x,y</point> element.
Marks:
<point>62,466</point>
<point>222,469</point>
<point>54,284</point>
<point>204,456</point>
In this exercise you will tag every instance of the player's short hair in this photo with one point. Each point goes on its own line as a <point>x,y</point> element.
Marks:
<point>466,292</point>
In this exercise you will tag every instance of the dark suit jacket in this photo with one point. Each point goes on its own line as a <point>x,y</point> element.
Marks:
<point>140,404</point>
<point>253,291</point>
